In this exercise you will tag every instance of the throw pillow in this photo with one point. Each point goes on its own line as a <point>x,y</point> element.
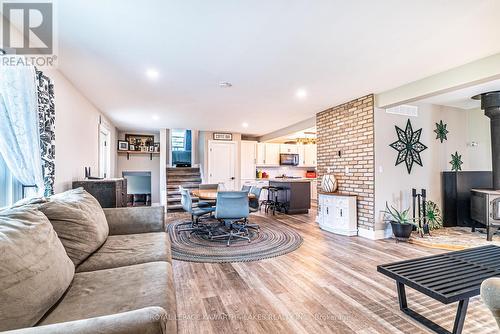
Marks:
<point>35,270</point>
<point>79,221</point>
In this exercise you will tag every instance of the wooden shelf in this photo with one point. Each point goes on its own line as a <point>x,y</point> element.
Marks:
<point>128,153</point>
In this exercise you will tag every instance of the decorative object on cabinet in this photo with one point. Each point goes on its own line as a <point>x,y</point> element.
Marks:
<point>123,145</point>
<point>329,183</point>
<point>441,131</point>
<point>337,213</point>
<point>311,174</point>
<point>456,162</point>
<point>401,223</point>
<point>408,146</point>
<point>110,193</point>
<point>223,136</point>
<point>131,147</point>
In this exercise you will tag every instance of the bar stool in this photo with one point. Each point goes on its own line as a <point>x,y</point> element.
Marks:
<point>281,206</point>
<point>269,202</point>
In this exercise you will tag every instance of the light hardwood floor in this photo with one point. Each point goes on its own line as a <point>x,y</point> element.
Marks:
<point>329,285</point>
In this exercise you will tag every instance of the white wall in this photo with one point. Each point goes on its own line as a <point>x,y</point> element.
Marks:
<point>142,163</point>
<point>393,183</point>
<point>77,133</point>
<point>479,132</point>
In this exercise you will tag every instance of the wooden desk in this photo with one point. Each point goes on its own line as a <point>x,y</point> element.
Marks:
<point>208,194</point>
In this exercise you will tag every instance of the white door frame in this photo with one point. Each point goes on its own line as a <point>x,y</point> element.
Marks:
<point>209,164</point>
<point>104,161</point>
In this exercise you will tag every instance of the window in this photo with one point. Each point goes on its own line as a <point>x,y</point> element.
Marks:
<point>181,147</point>
<point>10,189</point>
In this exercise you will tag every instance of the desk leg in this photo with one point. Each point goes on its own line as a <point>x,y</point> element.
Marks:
<point>403,304</point>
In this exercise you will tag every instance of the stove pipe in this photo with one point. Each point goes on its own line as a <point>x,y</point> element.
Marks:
<point>490,103</point>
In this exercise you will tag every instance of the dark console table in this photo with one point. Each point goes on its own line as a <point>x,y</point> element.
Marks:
<point>110,193</point>
<point>450,277</point>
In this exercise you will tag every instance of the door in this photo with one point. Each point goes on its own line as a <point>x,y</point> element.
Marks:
<point>222,163</point>
<point>248,159</point>
<point>104,153</point>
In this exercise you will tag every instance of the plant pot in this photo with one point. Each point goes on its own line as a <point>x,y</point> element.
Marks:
<point>401,232</point>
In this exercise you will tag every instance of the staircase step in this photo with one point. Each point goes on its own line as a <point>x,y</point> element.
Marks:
<point>184,185</point>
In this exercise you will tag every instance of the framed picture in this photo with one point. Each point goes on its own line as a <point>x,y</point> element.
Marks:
<point>140,140</point>
<point>144,149</point>
<point>122,145</point>
<point>151,148</point>
<point>223,136</point>
<point>131,147</point>
<point>157,147</point>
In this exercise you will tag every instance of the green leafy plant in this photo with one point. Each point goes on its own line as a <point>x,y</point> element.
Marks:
<point>391,214</point>
<point>433,216</point>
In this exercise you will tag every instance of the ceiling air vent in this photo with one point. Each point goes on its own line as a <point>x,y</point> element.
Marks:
<point>405,110</point>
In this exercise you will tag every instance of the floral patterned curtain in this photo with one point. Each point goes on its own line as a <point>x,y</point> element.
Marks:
<point>47,117</point>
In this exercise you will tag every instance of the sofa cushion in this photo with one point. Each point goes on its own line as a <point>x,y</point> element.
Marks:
<point>79,222</point>
<point>35,270</point>
<point>128,249</point>
<point>109,291</point>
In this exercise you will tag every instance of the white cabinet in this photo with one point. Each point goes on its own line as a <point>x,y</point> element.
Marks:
<point>289,148</point>
<point>248,159</point>
<point>268,154</point>
<point>307,155</point>
<point>314,190</point>
<point>337,214</point>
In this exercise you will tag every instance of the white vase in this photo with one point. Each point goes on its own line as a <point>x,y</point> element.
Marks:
<point>329,183</point>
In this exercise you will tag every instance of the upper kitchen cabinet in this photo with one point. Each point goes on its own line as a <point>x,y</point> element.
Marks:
<point>289,148</point>
<point>307,155</point>
<point>268,154</point>
<point>248,159</point>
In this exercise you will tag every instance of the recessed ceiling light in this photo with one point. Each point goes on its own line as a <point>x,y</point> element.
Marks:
<point>225,84</point>
<point>245,125</point>
<point>301,93</point>
<point>152,74</point>
<point>155,117</point>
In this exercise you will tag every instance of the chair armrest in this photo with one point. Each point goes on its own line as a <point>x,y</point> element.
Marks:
<point>148,320</point>
<point>490,293</point>
<point>135,220</point>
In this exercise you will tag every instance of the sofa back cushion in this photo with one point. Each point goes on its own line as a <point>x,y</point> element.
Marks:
<point>35,270</point>
<point>79,221</point>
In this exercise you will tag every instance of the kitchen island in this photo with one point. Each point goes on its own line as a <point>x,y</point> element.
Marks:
<point>297,193</point>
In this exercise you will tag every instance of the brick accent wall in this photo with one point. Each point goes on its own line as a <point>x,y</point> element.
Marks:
<point>349,128</point>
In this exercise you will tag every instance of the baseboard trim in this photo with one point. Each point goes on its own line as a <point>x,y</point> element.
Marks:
<point>375,234</point>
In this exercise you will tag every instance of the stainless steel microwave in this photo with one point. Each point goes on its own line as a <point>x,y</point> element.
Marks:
<point>287,159</point>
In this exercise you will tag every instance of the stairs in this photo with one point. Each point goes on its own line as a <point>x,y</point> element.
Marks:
<point>187,177</point>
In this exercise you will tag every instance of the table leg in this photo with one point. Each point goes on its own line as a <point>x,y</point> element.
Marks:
<point>459,318</point>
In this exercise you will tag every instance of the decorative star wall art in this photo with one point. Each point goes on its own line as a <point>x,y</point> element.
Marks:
<point>409,146</point>
<point>456,162</point>
<point>441,131</point>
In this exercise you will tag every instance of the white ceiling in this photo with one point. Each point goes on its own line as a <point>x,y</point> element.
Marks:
<point>334,49</point>
<point>461,98</point>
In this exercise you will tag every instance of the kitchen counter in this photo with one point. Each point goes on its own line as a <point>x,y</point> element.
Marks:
<point>288,180</point>
<point>296,193</point>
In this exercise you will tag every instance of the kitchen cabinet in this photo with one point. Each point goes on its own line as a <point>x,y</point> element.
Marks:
<point>314,190</point>
<point>337,213</point>
<point>268,154</point>
<point>307,155</point>
<point>289,148</point>
<point>248,159</point>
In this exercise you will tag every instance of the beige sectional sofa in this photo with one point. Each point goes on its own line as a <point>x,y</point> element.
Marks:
<point>125,286</point>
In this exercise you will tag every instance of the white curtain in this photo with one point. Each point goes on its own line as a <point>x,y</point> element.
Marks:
<point>19,127</point>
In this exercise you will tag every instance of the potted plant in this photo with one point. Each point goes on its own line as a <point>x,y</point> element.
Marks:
<point>401,223</point>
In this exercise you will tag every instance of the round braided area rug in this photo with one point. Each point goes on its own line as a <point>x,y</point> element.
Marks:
<point>274,239</point>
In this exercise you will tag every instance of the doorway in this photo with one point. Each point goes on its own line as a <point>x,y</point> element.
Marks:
<point>222,163</point>
<point>104,153</point>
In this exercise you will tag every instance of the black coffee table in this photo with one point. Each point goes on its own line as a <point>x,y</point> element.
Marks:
<point>450,277</point>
